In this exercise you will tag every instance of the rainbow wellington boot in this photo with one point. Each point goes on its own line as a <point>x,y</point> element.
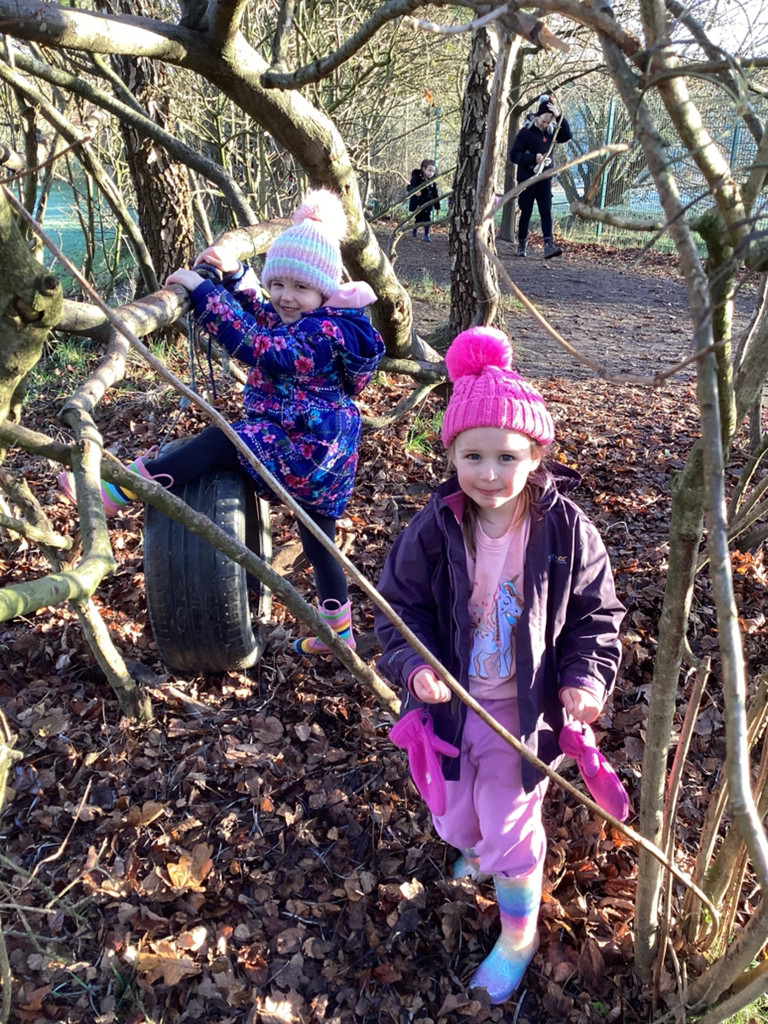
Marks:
<point>339,618</point>
<point>114,497</point>
<point>502,970</point>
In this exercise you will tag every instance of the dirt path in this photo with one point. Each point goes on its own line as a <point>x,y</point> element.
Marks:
<point>630,317</point>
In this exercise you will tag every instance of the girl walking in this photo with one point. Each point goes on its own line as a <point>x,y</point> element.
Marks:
<point>423,196</point>
<point>310,350</point>
<point>508,583</point>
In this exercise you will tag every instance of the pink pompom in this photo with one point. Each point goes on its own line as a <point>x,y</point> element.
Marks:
<point>478,347</point>
<point>326,208</point>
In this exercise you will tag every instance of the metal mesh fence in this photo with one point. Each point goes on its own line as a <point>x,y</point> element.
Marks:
<point>423,132</point>
<point>626,188</point>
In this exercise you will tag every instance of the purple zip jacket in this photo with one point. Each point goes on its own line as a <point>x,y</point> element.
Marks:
<point>567,634</point>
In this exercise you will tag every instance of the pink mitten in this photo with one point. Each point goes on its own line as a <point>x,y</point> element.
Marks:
<point>415,734</point>
<point>578,741</point>
<point>352,295</point>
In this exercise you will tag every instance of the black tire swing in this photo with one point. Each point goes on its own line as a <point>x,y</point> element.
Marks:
<point>198,598</point>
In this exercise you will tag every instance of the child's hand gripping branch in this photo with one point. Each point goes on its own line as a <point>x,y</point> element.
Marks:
<point>505,580</point>
<point>429,688</point>
<point>219,256</point>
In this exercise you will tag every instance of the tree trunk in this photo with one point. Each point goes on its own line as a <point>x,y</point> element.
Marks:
<point>163,195</point>
<point>508,215</point>
<point>685,529</point>
<point>30,305</point>
<point>465,299</point>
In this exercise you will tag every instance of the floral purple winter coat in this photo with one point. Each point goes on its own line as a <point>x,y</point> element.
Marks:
<point>301,421</point>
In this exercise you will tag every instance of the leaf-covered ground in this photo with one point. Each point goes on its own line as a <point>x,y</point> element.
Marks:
<point>257,853</point>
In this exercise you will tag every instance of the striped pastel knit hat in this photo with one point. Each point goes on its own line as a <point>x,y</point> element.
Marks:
<point>487,392</point>
<point>309,251</point>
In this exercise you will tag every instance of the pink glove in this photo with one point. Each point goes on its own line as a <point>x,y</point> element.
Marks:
<point>578,741</point>
<point>352,295</point>
<point>415,733</point>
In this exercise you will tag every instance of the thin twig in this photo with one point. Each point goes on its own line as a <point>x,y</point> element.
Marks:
<point>63,844</point>
<point>51,160</point>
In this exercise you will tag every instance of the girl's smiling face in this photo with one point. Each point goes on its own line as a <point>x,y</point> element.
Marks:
<point>493,466</point>
<point>292,298</point>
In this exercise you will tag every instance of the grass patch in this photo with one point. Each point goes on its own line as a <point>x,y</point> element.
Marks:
<point>424,434</point>
<point>62,367</point>
<point>424,289</point>
<point>510,303</point>
<point>755,1013</point>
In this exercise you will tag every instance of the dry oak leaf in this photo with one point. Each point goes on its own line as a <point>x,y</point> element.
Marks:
<point>33,1007</point>
<point>193,939</point>
<point>279,1011</point>
<point>386,973</point>
<point>191,870</point>
<point>144,815</point>
<point>164,962</point>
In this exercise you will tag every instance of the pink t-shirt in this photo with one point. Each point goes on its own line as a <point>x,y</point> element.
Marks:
<point>495,605</point>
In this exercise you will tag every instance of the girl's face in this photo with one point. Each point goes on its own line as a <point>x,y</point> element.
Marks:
<point>493,466</point>
<point>292,299</point>
<point>429,170</point>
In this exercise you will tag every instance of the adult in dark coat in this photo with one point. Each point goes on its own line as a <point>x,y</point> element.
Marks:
<point>423,196</point>
<point>532,152</point>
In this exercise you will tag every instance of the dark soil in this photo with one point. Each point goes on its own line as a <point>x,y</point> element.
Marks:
<point>256,853</point>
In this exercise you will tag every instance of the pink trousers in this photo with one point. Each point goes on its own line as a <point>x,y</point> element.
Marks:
<point>488,810</point>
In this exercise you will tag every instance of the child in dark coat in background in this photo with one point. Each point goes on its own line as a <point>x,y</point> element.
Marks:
<point>508,584</point>
<point>423,192</point>
<point>310,350</point>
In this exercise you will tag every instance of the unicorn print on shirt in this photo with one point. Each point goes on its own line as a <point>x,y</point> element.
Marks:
<point>493,637</point>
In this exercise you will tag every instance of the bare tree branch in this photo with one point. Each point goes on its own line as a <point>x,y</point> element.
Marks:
<point>589,212</point>
<point>721,61</point>
<point>324,66</point>
<point>192,158</point>
<point>511,21</point>
<point>600,19</point>
<point>224,18</point>
<point>283,30</point>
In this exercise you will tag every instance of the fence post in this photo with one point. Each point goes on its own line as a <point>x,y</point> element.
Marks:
<point>608,141</point>
<point>735,142</point>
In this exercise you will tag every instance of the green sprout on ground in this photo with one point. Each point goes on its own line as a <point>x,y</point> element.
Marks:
<point>423,433</point>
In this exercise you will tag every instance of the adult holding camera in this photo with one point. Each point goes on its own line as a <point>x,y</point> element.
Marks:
<point>532,152</point>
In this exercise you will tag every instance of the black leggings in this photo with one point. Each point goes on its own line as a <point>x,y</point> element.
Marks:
<point>212,449</point>
<point>541,194</point>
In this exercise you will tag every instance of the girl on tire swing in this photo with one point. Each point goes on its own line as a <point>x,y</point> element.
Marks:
<point>508,584</point>
<point>310,350</point>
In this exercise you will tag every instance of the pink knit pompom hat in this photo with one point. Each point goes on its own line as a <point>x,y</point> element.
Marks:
<point>310,250</point>
<point>487,392</point>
